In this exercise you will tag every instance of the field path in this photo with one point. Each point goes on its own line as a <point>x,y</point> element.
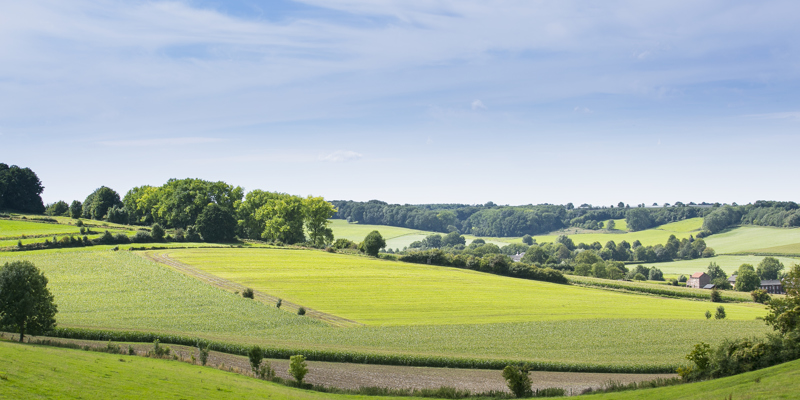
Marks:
<point>162,257</point>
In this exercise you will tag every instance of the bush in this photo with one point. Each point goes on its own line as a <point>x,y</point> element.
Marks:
<point>708,314</point>
<point>298,368</point>
<point>683,279</point>
<point>157,232</point>
<point>278,305</point>
<point>639,277</point>
<point>192,235</point>
<point>518,380</point>
<point>301,311</point>
<point>760,296</point>
<point>159,351</point>
<point>121,238</point>
<point>256,355</point>
<point>203,354</point>
<point>720,314</point>
<point>656,274</point>
<point>248,293</point>
<point>142,237</point>
<point>716,297</point>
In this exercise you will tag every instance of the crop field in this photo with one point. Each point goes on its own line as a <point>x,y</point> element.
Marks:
<point>380,292</point>
<point>396,238</point>
<point>122,291</point>
<point>751,239</point>
<point>12,229</point>
<point>729,263</point>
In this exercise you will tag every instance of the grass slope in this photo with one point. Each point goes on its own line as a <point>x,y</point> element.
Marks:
<point>396,238</point>
<point>119,290</point>
<point>36,372</point>
<point>12,229</point>
<point>649,237</point>
<point>382,293</point>
<point>752,239</point>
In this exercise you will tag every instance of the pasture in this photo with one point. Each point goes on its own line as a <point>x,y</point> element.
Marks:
<point>382,293</point>
<point>729,263</point>
<point>122,291</point>
<point>396,238</point>
<point>756,239</point>
<point>15,229</point>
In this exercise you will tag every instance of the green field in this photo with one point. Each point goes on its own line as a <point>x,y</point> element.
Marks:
<point>396,238</point>
<point>753,239</point>
<point>380,292</point>
<point>729,263</point>
<point>13,229</point>
<point>35,372</point>
<point>120,290</point>
<point>38,372</point>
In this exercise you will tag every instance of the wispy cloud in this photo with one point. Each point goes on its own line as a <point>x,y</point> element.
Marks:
<point>342,156</point>
<point>478,105</point>
<point>182,141</point>
<point>777,115</point>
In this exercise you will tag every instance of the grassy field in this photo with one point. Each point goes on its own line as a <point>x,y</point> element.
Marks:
<point>13,229</point>
<point>119,290</point>
<point>37,372</point>
<point>396,238</point>
<point>34,372</point>
<point>380,292</point>
<point>751,239</point>
<point>729,263</point>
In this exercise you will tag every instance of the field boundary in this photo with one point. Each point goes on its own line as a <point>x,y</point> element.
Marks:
<point>657,290</point>
<point>213,280</point>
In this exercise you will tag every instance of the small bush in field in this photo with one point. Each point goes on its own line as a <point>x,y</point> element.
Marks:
<point>301,311</point>
<point>248,293</point>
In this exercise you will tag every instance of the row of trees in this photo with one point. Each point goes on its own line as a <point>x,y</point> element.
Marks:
<point>217,210</point>
<point>764,213</point>
<point>502,221</point>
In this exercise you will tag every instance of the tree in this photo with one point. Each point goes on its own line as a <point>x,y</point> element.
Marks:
<point>317,213</point>
<point>453,239</point>
<point>720,314</point>
<point>256,354</point>
<point>216,224</point>
<point>760,296</point>
<point>746,279</point>
<point>98,202</point>
<point>433,241</point>
<point>784,315</point>
<point>75,209</point>
<point>20,190</point>
<point>611,225</point>
<point>528,239</point>
<point>26,304</point>
<point>518,380</point>
<point>157,232</point>
<point>715,271</point>
<point>57,209</point>
<point>716,297</point>
<point>769,268</point>
<point>373,243</point>
<point>638,219</point>
<point>298,368</point>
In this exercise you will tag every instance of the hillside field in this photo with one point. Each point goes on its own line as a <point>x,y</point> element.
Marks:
<point>755,239</point>
<point>729,263</point>
<point>122,291</point>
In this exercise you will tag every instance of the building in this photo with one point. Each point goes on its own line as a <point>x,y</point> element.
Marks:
<point>698,280</point>
<point>772,286</point>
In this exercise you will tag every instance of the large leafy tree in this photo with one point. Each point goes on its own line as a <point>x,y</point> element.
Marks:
<point>98,203</point>
<point>26,305</point>
<point>638,219</point>
<point>746,279</point>
<point>317,213</point>
<point>180,201</point>
<point>20,189</point>
<point>769,268</point>
<point>283,220</point>
<point>373,243</point>
<point>216,224</point>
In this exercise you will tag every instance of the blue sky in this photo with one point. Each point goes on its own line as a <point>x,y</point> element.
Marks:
<point>516,102</point>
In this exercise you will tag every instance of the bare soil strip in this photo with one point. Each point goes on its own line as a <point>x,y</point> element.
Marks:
<point>353,376</point>
<point>163,258</point>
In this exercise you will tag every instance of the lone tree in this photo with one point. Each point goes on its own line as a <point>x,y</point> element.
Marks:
<point>25,303</point>
<point>518,380</point>
<point>298,368</point>
<point>373,243</point>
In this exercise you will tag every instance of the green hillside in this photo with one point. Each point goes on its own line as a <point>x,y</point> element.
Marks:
<point>752,239</point>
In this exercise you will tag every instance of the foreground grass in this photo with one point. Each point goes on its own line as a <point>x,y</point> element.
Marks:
<point>778,382</point>
<point>121,291</point>
<point>382,293</point>
<point>35,372</point>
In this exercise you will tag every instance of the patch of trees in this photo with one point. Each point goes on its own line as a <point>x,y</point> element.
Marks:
<point>503,221</point>
<point>494,263</point>
<point>20,190</point>
<point>764,213</point>
<point>742,355</point>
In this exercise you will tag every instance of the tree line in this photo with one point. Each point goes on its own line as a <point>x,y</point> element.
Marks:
<point>765,213</point>
<point>503,221</point>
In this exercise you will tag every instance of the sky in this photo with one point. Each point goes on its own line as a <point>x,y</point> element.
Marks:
<point>515,102</point>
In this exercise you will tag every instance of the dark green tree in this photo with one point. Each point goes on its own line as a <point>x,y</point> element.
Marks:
<point>746,279</point>
<point>453,239</point>
<point>638,219</point>
<point>157,232</point>
<point>56,209</point>
<point>518,380</point>
<point>216,224</point>
<point>75,209</point>
<point>20,190</point>
<point>433,241</point>
<point>715,271</point>
<point>528,239</point>
<point>373,243</point>
<point>98,203</point>
<point>26,305</point>
<point>769,268</point>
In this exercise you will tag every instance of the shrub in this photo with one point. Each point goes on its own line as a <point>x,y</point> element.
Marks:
<point>278,305</point>
<point>720,314</point>
<point>256,355</point>
<point>518,380</point>
<point>121,238</point>
<point>192,235</point>
<point>157,232</point>
<point>656,274</point>
<point>301,311</point>
<point>159,351</point>
<point>639,277</point>
<point>203,354</point>
<point>107,238</point>
<point>298,368</point>
<point>248,293</point>
<point>683,278</point>
<point>716,297</point>
<point>131,351</point>
<point>708,314</point>
<point>760,296</point>
<point>142,237</point>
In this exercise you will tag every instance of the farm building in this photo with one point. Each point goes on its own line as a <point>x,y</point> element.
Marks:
<point>698,280</point>
<point>772,286</point>
<point>517,257</point>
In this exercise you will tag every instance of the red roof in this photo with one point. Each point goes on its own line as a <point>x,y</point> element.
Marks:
<point>698,274</point>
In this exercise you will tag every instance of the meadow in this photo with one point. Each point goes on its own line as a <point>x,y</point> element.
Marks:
<point>33,372</point>
<point>755,239</point>
<point>396,238</point>
<point>729,263</point>
<point>15,229</point>
<point>122,291</point>
<point>382,293</point>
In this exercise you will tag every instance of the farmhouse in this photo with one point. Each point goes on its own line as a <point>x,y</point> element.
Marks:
<point>698,280</point>
<point>772,286</point>
<point>517,257</point>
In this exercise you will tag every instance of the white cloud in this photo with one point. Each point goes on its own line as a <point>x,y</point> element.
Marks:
<point>342,156</point>
<point>582,110</point>
<point>182,141</point>
<point>478,105</point>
